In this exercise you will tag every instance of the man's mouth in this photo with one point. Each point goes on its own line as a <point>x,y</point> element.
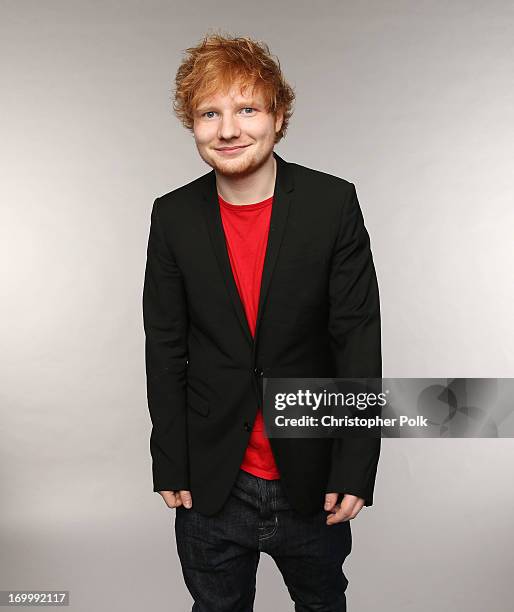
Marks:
<point>234,148</point>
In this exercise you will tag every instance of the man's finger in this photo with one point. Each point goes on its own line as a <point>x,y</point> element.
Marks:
<point>330,500</point>
<point>171,498</point>
<point>338,517</point>
<point>349,508</point>
<point>186,498</point>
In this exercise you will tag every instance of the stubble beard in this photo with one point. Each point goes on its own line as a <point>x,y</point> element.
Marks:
<point>237,168</point>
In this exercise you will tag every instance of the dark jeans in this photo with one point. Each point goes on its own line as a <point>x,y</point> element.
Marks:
<point>219,554</point>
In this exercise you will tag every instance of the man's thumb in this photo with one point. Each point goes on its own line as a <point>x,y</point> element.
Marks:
<point>186,498</point>
<point>330,500</point>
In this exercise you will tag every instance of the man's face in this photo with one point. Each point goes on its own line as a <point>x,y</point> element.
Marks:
<point>234,133</point>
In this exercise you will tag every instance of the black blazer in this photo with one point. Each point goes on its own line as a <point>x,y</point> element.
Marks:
<point>318,316</point>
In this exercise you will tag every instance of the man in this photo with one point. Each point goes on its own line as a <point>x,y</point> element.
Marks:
<point>260,268</point>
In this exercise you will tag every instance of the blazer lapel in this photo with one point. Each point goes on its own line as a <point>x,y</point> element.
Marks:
<point>281,202</point>
<point>282,197</point>
<point>210,207</point>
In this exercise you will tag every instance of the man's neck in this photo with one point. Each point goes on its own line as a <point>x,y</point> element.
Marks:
<point>251,189</point>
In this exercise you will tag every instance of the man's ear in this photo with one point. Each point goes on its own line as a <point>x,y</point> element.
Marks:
<point>279,119</point>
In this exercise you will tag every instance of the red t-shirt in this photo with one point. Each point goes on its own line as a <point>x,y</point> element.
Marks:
<point>246,233</point>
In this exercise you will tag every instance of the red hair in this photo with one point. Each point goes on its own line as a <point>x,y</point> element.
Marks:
<point>217,63</point>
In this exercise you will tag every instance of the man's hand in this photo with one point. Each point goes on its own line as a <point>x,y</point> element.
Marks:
<point>350,506</point>
<point>174,499</point>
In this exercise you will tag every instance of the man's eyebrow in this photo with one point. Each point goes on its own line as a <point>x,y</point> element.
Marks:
<point>242,103</point>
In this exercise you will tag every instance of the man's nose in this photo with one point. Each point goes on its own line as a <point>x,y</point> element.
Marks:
<point>229,127</point>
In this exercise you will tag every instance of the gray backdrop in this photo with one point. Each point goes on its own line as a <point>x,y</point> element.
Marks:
<point>411,101</point>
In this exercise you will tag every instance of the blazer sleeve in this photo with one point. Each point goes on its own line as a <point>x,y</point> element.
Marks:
<point>354,328</point>
<point>165,325</point>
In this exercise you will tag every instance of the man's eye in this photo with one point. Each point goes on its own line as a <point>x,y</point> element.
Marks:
<point>210,114</point>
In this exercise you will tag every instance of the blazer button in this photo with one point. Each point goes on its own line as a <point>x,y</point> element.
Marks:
<point>247,426</point>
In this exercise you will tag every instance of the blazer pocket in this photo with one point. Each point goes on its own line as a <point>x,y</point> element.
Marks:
<point>197,402</point>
